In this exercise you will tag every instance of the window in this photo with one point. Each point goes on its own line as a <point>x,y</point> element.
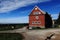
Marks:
<point>33,22</point>
<point>36,22</point>
<point>36,13</point>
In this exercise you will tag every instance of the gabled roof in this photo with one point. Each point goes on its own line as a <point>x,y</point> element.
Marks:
<point>35,9</point>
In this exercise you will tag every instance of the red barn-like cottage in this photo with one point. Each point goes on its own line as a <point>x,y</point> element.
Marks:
<point>37,18</point>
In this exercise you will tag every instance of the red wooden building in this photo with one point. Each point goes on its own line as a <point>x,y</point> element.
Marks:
<point>37,18</point>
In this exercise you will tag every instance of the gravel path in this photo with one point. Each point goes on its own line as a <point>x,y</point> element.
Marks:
<point>36,34</point>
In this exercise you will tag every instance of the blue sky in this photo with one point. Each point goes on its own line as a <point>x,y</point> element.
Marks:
<point>17,11</point>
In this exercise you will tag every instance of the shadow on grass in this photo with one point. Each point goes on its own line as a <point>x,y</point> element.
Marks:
<point>11,36</point>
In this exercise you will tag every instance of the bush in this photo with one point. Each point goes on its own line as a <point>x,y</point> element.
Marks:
<point>56,26</point>
<point>11,36</point>
<point>36,28</point>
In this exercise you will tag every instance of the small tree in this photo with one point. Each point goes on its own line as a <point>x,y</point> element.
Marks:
<point>58,20</point>
<point>48,21</point>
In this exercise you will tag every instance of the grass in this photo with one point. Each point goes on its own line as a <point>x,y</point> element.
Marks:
<point>9,26</point>
<point>11,36</point>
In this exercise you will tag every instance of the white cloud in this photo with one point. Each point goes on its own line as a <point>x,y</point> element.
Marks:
<point>15,20</point>
<point>9,5</point>
<point>24,19</point>
<point>54,16</point>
